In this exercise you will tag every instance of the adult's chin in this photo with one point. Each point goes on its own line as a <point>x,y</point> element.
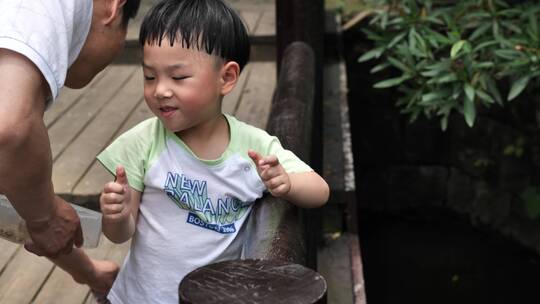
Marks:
<point>77,81</point>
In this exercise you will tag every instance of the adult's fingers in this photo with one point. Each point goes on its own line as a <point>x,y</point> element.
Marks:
<point>79,239</point>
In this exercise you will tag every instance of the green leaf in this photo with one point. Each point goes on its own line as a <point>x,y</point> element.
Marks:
<point>444,122</point>
<point>531,200</point>
<point>518,86</point>
<point>483,65</point>
<point>495,27</point>
<point>396,40</point>
<point>456,48</point>
<point>398,64</point>
<point>492,88</point>
<point>412,41</point>
<point>508,54</point>
<point>469,111</point>
<point>447,78</point>
<point>533,23</point>
<point>374,53</point>
<point>392,82</point>
<point>379,67</point>
<point>469,91</point>
<point>429,97</point>
<point>484,45</point>
<point>479,32</point>
<point>485,97</point>
<point>431,73</point>
<point>436,36</point>
<point>512,27</point>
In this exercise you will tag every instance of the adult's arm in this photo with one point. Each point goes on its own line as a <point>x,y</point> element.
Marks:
<point>25,159</point>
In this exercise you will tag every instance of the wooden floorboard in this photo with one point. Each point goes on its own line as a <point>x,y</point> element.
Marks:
<point>67,99</point>
<point>72,123</point>
<point>23,277</point>
<point>244,7</point>
<point>256,99</point>
<point>79,156</point>
<point>93,181</point>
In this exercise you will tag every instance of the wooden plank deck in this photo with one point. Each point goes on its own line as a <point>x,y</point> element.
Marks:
<point>83,122</point>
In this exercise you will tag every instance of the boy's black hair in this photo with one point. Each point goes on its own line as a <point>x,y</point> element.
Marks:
<point>130,10</point>
<point>208,25</point>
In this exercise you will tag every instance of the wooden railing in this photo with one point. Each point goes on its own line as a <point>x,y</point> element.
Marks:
<point>274,227</point>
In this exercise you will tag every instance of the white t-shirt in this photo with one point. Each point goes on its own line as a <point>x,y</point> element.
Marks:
<point>50,33</point>
<point>192,211</point>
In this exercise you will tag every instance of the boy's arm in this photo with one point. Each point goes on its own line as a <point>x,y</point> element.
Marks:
<point>25,158</point>
<point>308,190</point>
<point>120,206</point>
<point>121,231</point>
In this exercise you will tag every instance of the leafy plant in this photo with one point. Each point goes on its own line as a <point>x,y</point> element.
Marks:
<point>531,199</point>
<point>455,55</point>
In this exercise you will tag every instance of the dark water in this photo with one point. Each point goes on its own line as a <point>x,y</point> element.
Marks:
<point>424,256</point>
<point>440,259</point>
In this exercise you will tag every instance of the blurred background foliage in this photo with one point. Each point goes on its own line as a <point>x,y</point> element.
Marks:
<point>452,56</point>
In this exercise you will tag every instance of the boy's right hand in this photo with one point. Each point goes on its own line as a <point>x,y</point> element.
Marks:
<point>115,197</point>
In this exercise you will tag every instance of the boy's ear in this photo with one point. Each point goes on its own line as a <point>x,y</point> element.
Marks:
<point>230,72</point>
<point>114,10</point>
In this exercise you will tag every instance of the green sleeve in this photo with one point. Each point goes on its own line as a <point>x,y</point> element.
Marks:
<point>290,162</point>
<point>131,150</point>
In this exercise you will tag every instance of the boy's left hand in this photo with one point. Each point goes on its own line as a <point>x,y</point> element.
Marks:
<point>274,177</point>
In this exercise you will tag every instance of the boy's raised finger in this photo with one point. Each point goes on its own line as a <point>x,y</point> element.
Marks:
<point>121,176</point>
<point>270,160</point>
<point>256,157</point>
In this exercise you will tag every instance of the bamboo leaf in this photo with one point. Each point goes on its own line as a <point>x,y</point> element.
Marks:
<point>398,64</point>
<point>479,32</point>
<point>392,82</point>
<point>533,23</point>
<point>518,86</point>
<point>492,88</point>
<point>469,111</point>
<point>484,65</point>
<point>484,45</point>
<point>485,97</point>
<point>456,48</point>
<point>444,122</point>
<point>469,91</point>
<point>531,200</point>
<point>396,40</point>
<point>374,53</point>
<point>379,67</point>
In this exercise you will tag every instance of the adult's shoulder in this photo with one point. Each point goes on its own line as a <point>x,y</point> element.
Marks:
<point>49,33</point>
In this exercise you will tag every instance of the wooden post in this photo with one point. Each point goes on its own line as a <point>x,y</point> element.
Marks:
<point>303,20</point>
<point>253,281</point>
<point>274,227</point>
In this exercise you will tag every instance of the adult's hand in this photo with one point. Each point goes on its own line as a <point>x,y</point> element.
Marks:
<point>56,235</point>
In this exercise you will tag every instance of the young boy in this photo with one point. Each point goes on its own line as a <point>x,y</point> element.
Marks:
<point>186,179</point>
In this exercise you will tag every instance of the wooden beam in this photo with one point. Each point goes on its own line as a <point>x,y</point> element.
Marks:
<point>274,228</point>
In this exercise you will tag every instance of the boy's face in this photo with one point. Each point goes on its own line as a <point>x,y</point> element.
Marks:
<point>182,87</point>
